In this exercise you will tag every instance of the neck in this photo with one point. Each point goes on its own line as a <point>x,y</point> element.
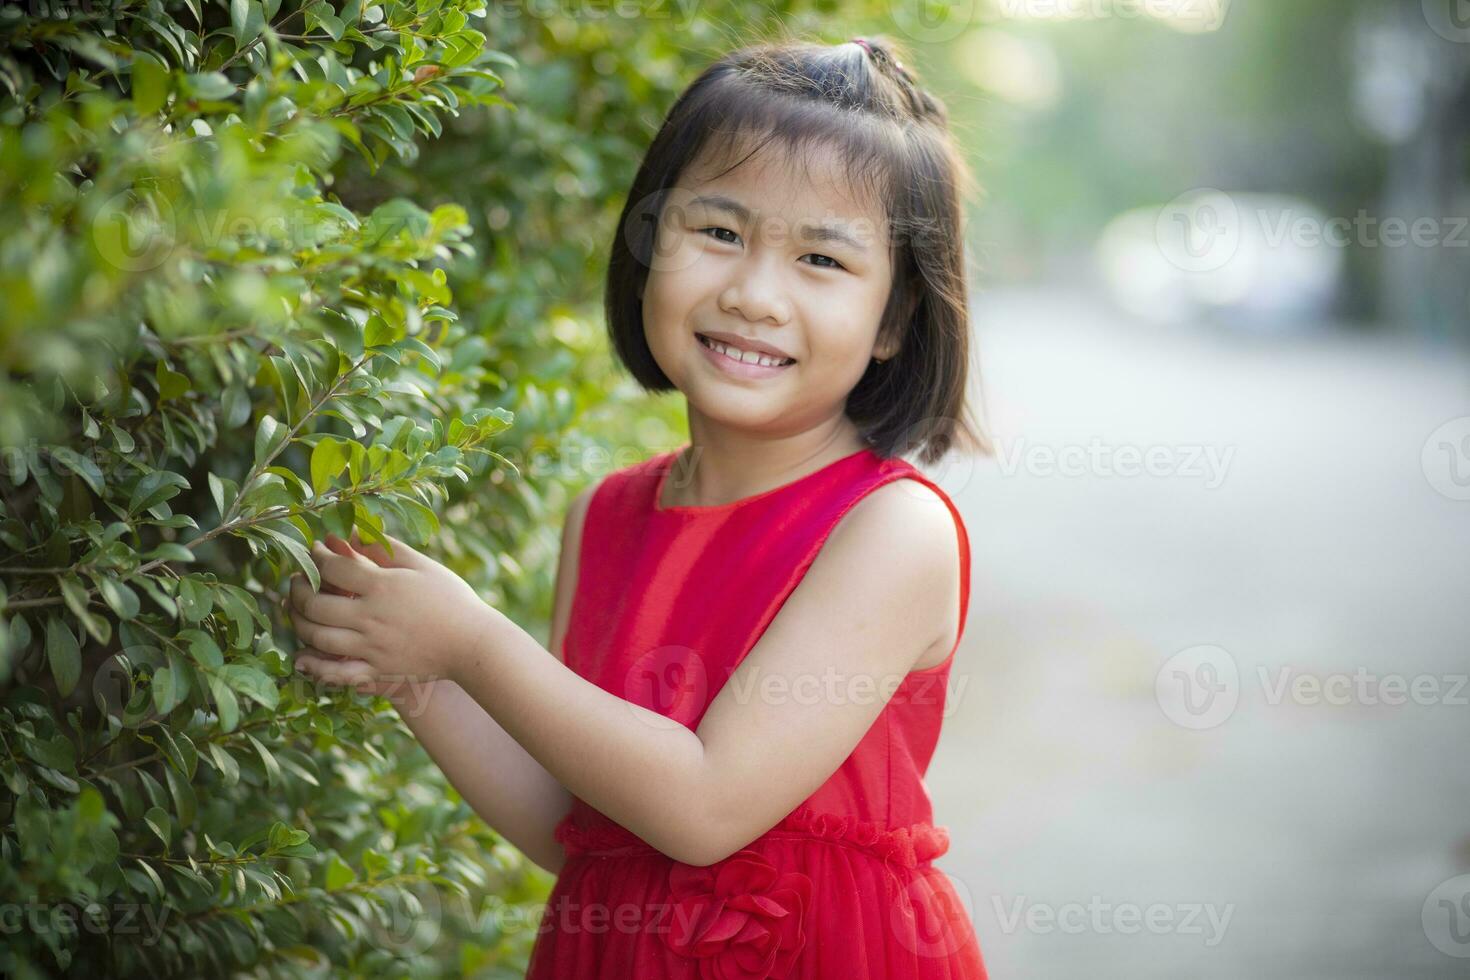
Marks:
<point>721,465</point>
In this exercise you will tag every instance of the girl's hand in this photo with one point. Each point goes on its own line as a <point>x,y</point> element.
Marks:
<point>381,621</point>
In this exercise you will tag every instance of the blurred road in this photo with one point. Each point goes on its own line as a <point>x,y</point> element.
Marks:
<point>1291,837</point>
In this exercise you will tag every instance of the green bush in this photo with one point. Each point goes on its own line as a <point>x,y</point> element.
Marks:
<point>270,269</point>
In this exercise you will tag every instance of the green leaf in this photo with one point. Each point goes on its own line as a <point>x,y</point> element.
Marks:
<point>212,86</point>
<point>226,703</point>
<point>170,551</point>
<point>58,752</point>
<point>225,763</point>
<point>203,649</point>
<point>428,353</point>
<point>235,407</point>
<point>337,518</point>
<point>64,655</point>
<point>272,767</point>
<point>153,488</point>
<point>118,595</point>
<point>282,836</point>
<point>178,749</point>
<point>122,438</point>
<point>377,333</point>
<point>422,522</point>
<point>328,459</point>
<point>196,599</point>
<point>270,435</point>
<point>150,877</point>
<point>151,83</point>
<point>339,873</point>
<point>157,819</point>
<point>375,864</point>
<point>185,804</point>
<point>75,595</point>
<point>252,684</point>
<point>81,466</point>
<point>241,615</point>
<point>166,694</point>
<point>217,491</point>
<point>239,14</point>
<point>298,554</point>
<point>171,384</point>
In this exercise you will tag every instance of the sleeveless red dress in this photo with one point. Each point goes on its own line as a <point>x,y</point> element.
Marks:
<point>668,601</point>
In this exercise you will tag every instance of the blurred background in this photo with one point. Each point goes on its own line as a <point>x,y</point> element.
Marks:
<point>1209,714</point>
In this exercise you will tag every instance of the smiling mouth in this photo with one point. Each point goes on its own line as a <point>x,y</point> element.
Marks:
<point>744,357</point>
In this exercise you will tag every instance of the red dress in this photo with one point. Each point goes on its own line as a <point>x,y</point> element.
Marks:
<point>668,601</point>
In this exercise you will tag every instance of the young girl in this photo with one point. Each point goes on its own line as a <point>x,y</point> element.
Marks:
<point>723,758</point>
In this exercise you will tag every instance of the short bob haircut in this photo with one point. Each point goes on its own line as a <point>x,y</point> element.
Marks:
<point>893,138</point>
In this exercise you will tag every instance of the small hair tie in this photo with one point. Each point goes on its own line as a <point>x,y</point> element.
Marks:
<point>868,48</point>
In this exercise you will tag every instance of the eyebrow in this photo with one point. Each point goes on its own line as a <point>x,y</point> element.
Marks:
<point>817,233</point>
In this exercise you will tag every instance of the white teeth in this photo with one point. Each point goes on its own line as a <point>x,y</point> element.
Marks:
<point>746,357</point>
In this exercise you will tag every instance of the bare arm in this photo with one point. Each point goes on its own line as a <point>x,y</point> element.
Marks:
<point>882,591</point>
<point>508,788</point>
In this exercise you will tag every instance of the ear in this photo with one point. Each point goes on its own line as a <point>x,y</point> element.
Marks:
<point>884,349</point>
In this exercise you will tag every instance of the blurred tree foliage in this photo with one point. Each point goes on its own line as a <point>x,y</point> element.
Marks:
<point>268,269</point>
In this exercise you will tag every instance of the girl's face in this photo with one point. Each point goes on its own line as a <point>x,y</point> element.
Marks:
<point>767,254</point>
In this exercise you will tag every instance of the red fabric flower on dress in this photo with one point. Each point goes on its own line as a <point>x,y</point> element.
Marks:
<point>740,918</point>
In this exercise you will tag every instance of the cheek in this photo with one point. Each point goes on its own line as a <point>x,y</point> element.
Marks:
<point>675,250</point>
<point>669,296</point>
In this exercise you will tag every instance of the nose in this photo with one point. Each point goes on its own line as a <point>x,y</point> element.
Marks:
<point>755,293</point>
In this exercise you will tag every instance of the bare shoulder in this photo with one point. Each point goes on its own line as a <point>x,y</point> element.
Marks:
<point>567,568</point>
<point>903,533</point>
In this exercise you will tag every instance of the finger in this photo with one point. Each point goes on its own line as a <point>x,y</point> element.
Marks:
<point>318,653</point>
<point>345,673</point>
<point>351,572</point>
<point>375,551</point>
<point>328,639</point>
<point>298,592</point>
<point>342,548</point>
<point>403,555</point>
<point>330,610</point>
<point>411,555</point>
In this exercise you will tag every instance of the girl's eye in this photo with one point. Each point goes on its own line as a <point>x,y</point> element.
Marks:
<point>715,231</point>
